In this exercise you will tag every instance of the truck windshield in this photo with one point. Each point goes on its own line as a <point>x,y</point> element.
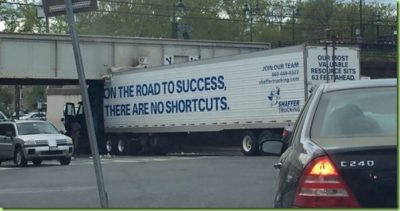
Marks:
<point>29,128</point>
<point>356,113</point>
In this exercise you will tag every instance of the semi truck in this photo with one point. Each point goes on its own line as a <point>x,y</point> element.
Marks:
<point>244,98</point>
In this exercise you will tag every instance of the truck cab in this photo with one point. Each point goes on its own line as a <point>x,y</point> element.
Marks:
<point>75,121</point>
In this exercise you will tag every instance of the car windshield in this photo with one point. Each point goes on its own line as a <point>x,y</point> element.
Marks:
<point>368,112</point>
<point>29,128</point>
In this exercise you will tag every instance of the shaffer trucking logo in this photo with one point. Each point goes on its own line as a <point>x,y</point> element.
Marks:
<point>274,96</point>
<point>283,105</point>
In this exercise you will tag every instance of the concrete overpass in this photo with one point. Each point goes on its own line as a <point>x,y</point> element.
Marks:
<point>48,58</point>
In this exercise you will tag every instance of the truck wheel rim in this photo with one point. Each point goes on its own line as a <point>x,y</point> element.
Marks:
<point>109,146</point>
<point>247,143</point>
<point>121,146</point>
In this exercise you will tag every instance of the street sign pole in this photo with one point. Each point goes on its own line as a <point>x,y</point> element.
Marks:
<point>86,104</point>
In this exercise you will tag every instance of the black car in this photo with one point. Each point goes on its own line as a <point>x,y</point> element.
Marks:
<point>343,150</point>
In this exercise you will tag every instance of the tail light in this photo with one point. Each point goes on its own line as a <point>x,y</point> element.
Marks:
<point>322,186</point>
<point>285,133</point>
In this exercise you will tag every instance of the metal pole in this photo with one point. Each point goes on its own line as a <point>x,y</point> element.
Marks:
<point>251,24</point>
<point>47,25</point>
<point>361,28</point>
<point>17,101</point>
<point>293,25</point>
<point>173,31</point>
<point>86,105</point>
<point>327,61</point>
<point>377,32</point>
<point>327,55</point>
<point>333,56</point>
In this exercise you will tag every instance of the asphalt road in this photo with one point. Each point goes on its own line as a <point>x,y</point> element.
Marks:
<point>188,181</point>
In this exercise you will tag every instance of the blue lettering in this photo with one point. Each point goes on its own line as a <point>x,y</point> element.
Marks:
<point>221,83</point>
<point>202,107</point>
<point>171,87</point>
<point>117,110</point>
<point>110,93</point>
<point>213,83</point>
<point>188,106</point>
<point>200,88</point>
<point>207,83</point>
<point>140,109</point>
<point>126,91</point>
<point>179,85</point>
<point>164,83</point>
<point>192,83</point>
<point>138,90</point>
<point>157,107</point>
<point>224,104</point>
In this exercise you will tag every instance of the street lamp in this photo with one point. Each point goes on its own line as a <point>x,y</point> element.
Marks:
<point>361,27</point>
<point>358,36</point>
<point>247,9</point>
<point>295,12</point>
<point>180,7</point>
<point>377,21</point>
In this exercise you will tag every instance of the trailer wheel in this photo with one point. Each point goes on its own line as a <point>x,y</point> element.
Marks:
<point>111,146</point>
<point>249,143</point>
<point>157,144</point>
<point>121,147</point>
<point>144,140</point>
<point>134,147</point>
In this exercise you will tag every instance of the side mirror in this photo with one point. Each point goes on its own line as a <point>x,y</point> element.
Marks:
<point>273,147</point>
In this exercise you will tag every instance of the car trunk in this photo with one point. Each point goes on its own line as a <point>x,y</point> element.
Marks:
<point>371,174</point>
<point>368,165</point>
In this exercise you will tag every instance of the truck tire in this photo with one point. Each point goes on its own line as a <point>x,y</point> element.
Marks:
<point>134,147</point>
<point>65,161</point>
<point>157,144</point>
<point>144,144</point>
<point>111,146</point>
<point>19,157</point>
<point>249,143</point>
<point>121,147</point>
<point>37,161</point>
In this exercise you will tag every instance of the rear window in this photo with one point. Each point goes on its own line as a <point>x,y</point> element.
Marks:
<point>356,113</point>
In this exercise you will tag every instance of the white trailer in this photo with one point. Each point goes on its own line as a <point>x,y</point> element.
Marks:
<point>249,96</point>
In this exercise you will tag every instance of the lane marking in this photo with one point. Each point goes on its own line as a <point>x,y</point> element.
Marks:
<point>45,190</point>
<point>137,160</point>
<point>7,168</point>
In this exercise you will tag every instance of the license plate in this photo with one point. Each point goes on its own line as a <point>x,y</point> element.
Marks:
<point>52,148</point>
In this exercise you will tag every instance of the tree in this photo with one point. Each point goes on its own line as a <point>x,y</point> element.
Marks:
<point>6,99</point>
<point>35,94</point>
<point>272,21</point>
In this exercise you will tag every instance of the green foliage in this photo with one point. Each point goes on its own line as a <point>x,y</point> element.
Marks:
<point>6,99</point>
<point>260,21</point>
<point>37,92</point>
<point>264,20</point>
